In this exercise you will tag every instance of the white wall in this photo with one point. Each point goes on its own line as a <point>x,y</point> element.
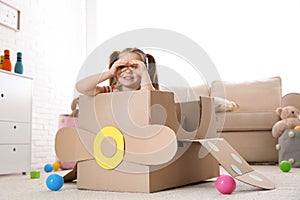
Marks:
<point>52,39</point>
<point>245,39</point>
<point>248,39</point>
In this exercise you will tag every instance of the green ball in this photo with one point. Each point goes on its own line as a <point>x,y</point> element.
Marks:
<point>285,166</point>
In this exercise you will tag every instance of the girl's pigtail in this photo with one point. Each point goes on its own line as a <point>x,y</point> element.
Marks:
<point>151,66</point>
<point>114,56</point>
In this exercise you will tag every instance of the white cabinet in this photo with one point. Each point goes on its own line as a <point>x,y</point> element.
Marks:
<point>15,122</point>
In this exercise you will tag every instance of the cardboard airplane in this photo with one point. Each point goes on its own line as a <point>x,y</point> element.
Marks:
<point>142,141</point>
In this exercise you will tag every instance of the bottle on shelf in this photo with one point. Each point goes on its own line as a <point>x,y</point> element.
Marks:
<point>19,64</point>
<point>6,65</point>
<point>1,60</point>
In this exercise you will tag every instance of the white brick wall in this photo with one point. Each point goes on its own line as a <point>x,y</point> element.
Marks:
<point>52,40</point>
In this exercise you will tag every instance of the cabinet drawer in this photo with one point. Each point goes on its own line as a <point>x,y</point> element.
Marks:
<point>14,158</point>
<point>15,132</point>
<point>15,98</point>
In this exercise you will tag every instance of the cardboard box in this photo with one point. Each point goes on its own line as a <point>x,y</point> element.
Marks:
<point>142,141</point>
<point>188,168</point>
<point>128,111</point>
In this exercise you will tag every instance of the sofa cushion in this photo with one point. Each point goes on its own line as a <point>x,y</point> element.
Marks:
<point>255,95</point>
<point>246,121</point>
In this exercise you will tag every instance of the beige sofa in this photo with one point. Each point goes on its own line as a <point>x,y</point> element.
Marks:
<point>249,128</point>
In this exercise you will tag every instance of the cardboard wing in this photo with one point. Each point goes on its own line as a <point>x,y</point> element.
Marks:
<point>75,144</point>
<point>233,163</point>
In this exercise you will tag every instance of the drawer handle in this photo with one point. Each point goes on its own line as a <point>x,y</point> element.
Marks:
<point>2,95</point>
<point>15,127</point>
<point>14,149</point>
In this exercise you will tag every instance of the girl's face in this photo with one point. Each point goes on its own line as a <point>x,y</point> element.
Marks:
<point>128,78</point>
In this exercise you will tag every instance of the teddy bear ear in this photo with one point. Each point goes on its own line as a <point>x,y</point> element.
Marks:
<point>278,111</point>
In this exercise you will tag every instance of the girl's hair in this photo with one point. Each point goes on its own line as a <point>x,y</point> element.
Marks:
<point>146,58</point>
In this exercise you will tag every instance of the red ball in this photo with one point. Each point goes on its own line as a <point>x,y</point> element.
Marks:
<point>225,184</point>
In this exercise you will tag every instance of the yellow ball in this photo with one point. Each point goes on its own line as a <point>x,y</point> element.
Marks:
<point>56,166</point>
<point>297,128</point>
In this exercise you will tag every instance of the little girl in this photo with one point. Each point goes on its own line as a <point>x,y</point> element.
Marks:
<point>130,69</point>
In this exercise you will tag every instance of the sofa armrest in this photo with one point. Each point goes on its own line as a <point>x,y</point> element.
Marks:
<point>291,99</point>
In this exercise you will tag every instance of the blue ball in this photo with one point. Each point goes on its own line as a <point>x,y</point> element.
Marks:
<point>48,168</point>
<point>54,182</point>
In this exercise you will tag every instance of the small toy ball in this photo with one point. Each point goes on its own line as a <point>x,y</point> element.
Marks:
<point>48,168</point>
<point>54,182</point>
<point>56,166</point>
<point>285,166</point>
<point>297,128</point>
<point>225,184</point>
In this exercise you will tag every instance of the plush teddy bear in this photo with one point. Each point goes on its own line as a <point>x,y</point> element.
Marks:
<point>289,116</point>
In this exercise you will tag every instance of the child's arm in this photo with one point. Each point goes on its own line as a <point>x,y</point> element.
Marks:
<point>88,86</point>
<point>146,82</point>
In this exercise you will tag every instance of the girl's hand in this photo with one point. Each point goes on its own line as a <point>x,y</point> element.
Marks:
<point>137,67</point>
<point>119,64</point>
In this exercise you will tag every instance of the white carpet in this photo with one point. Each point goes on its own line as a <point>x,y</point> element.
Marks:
<point>18,186</point>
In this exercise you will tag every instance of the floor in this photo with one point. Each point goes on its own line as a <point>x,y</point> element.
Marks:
<point>19,186</point>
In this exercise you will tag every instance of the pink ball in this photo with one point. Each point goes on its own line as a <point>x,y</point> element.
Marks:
<point>225,184</point>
